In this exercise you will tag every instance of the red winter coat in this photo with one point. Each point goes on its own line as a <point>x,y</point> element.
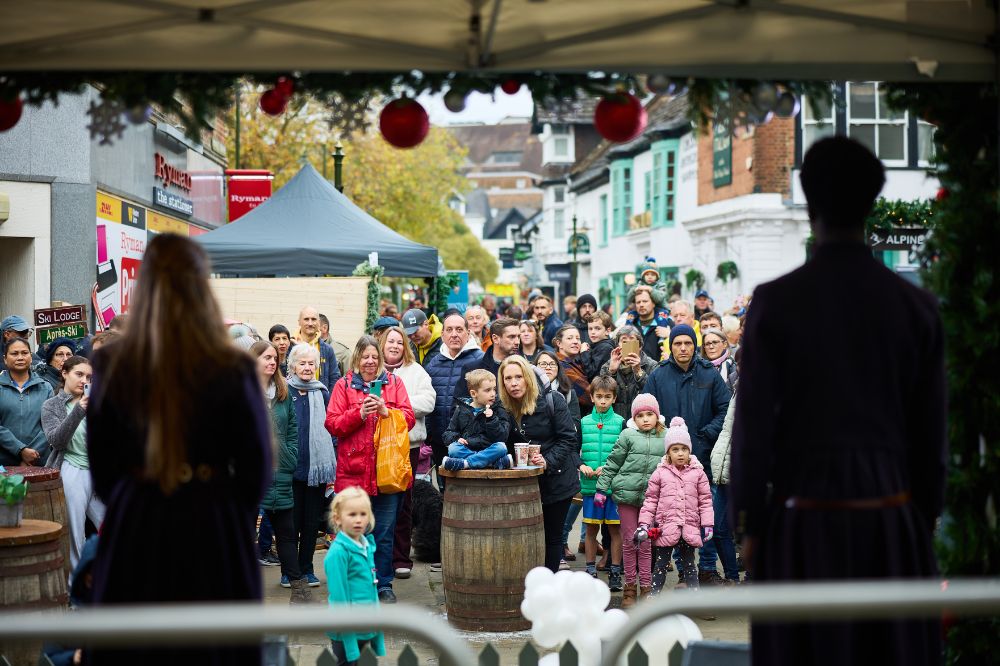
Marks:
<point>356,436</point>
<point>679,502</point>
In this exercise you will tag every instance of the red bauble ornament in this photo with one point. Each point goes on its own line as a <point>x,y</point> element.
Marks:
<point>273,103</point>
<point>943,194</point>
<point>620,117</point>
<point>10,113</point>
<point>404,122</point>
<point>510,86</point>
<point>285,86</point>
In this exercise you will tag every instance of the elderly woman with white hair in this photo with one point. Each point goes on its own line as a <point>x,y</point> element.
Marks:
<point>317,463</point>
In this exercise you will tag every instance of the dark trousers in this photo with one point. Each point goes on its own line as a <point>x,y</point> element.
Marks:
<point>553,518</point>
<point>288,542</point>
<point>404,523</point>
<point>340,655</point>
<point>306,511</point>
<point>687,571</point>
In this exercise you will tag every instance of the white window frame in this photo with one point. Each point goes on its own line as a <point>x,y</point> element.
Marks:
<point>559,226</point>
<point>563,142</point>
<point>879,123</point>
<point>830,120</point>
<point>923,123</point>
<point>559,194</point>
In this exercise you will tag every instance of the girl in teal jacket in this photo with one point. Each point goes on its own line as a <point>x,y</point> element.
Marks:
<point>350,570</point>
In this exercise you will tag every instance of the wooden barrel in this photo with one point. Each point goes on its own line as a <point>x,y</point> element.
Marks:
<point>491,536</point>
<point>32,577</point>
<point>46,501</point>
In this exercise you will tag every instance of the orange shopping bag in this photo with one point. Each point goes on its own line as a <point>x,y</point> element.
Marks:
<point>392,439</point>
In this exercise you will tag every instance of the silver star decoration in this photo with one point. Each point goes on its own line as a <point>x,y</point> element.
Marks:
<point>106,121</point>
<point>350,116</point>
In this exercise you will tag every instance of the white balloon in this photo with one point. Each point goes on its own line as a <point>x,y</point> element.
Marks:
<point>528,610</point>
<point>612,621</point>
<point>537,576</point>
<point>542,596</point>
<point>579,590</point>
<point>565,624</point>
<point>551,659</point>
<point>561,579</point>
<point>588,648</point>
<point>602,595</point>
<point>659,638</point>
<point>545,634</point>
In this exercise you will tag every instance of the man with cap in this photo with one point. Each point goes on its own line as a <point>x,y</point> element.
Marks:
<point>586,305</point>
<point>687,385</point>
<point>702,303</point>
<point>15,327</point>
<point>424,334</point>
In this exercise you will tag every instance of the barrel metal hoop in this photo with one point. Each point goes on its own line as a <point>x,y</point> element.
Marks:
<point>55,564</point>
<point>517,589</point>
<point>30,549</point>
<point>490,500</point>
<point>491,524</point>
<point>481,614</point>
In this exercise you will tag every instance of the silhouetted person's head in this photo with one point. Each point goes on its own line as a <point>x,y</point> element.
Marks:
<point>841,179</point>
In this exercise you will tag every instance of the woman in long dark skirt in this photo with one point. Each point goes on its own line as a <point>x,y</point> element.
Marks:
<point>179,441</point>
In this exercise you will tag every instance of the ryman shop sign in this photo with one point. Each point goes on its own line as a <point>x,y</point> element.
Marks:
<point>171,176</point>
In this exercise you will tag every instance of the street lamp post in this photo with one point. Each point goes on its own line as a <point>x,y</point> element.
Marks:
<point>338,166</point>
<point>573,268</point>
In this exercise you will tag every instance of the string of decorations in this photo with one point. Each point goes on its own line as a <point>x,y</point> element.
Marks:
<point>198,98</point>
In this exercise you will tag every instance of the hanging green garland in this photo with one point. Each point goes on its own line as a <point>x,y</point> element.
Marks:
<point>443,285</point>
<point>365,269</point>
<point>727,270</point>
<point>960,265</point>
<point>694,278</point>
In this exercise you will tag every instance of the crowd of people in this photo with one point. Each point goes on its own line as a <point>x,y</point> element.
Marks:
<point>634,422</point>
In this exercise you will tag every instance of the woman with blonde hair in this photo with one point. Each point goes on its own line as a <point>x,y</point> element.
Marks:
<point>179,447</point>
<point>358,401</point>
<point>541,417</point>
<point>400,361</point>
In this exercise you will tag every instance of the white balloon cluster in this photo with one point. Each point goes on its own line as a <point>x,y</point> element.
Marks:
<point>569,606</point>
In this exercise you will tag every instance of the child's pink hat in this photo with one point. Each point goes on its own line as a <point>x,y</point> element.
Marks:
<point>645,402</point>
<point>677,433</point>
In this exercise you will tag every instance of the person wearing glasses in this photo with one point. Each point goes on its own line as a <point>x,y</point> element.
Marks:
<point>715,349</point>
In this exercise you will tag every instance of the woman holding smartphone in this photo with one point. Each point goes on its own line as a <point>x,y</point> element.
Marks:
<point>629,366</point>
<point>65,426</point>
<point>357,403</point>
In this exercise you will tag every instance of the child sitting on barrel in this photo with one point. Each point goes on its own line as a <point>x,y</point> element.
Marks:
<point>479,427</point>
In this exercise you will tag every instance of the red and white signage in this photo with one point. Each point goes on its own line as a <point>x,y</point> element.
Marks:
<point>170,175</point>
<point>248,188</point>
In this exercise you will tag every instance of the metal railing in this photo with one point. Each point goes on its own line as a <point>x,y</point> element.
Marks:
<point>214,624</point>
<point>221,624</point>
<point>816,601</point>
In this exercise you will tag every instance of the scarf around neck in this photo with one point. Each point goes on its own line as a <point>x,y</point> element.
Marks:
<point>722,359</point>
<point>322,458</point>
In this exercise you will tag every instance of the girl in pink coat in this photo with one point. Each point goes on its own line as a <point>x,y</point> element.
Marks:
<point>678,506</point>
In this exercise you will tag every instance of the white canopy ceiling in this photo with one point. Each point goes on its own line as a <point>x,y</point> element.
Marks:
<point>803,39</point>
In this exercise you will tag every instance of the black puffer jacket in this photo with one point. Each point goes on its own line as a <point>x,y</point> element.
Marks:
<point>552,427</point>
<point>478,430</point>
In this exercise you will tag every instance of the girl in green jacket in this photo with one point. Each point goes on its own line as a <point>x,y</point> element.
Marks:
<point>350,570</point>
<point>625,478</point>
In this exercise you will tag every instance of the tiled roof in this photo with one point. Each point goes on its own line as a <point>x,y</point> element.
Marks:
<point>482,141</point>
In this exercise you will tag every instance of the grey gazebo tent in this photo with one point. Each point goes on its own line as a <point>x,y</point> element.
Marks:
<point>309,228</point>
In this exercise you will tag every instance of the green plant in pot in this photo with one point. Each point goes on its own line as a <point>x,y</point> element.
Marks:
<point>13,490</point>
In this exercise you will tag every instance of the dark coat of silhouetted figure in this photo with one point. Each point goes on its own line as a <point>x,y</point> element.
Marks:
<point>812,438</point>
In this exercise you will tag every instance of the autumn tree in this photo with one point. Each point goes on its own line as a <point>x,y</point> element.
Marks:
<point>406,190</point>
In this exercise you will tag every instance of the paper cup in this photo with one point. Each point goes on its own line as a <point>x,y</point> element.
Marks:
<point>521,454</point>
<point>533,449</point>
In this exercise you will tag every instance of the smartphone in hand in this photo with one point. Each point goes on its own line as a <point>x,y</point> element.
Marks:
<point>376,389</point>
<point>86,390</point>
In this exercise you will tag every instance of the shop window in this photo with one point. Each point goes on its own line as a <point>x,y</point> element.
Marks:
<point>621,192</point>
<point>873,123</point>
<point>604,220</point>
<point>816,124</point>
